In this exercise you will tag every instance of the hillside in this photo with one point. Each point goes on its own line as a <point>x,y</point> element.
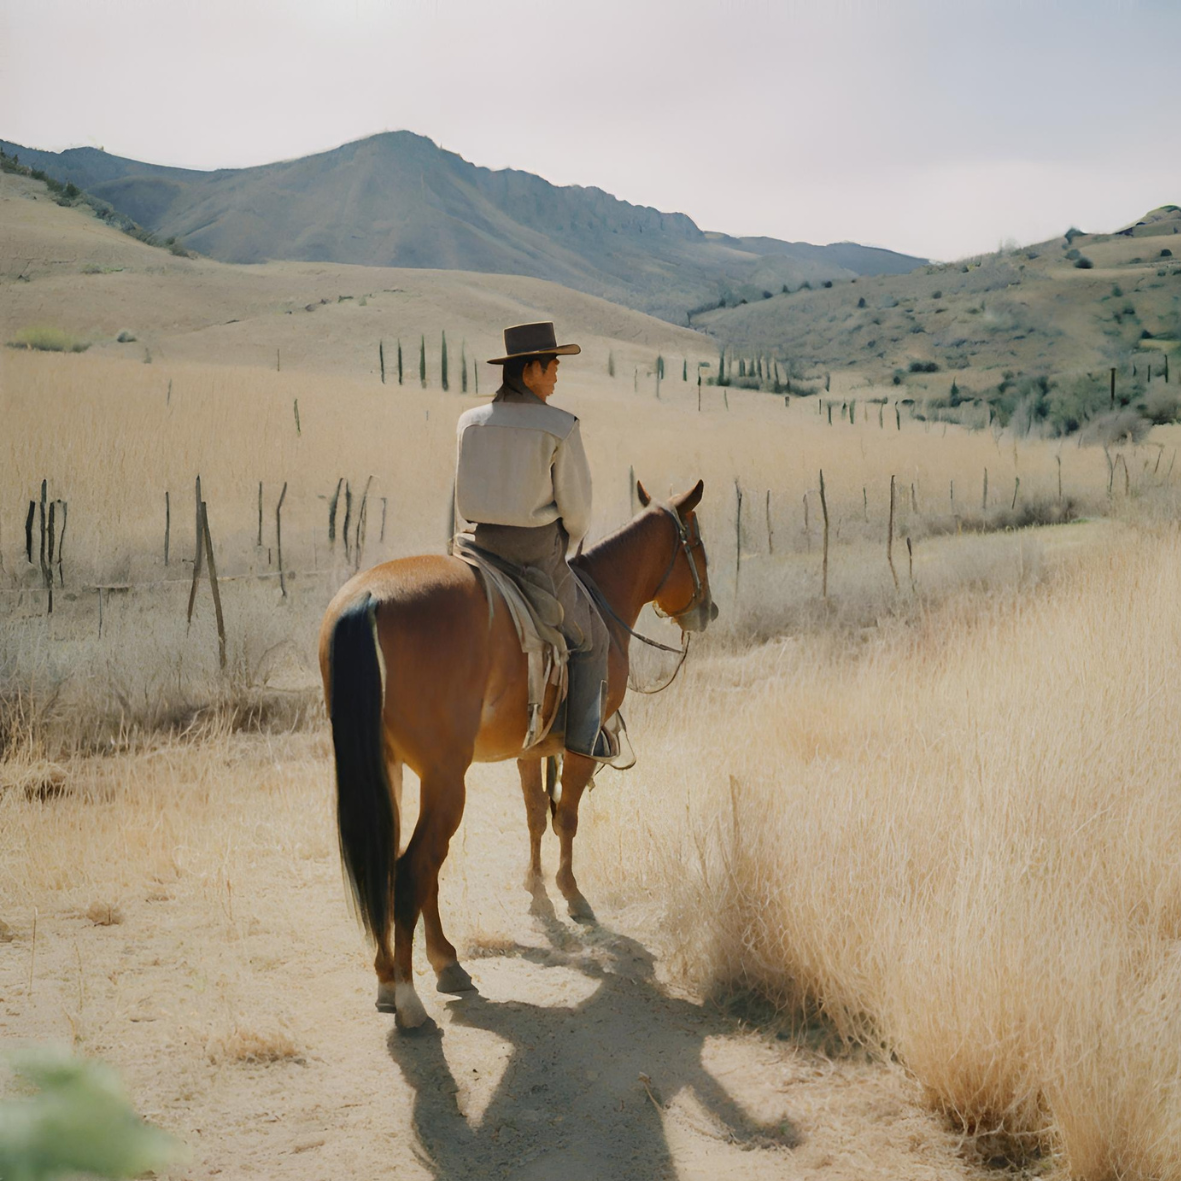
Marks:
<point>397,199</point>
<point>1085,302</point>
<point>62,267</point>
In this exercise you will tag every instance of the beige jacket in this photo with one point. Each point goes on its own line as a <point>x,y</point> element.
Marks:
<point>520,462</point>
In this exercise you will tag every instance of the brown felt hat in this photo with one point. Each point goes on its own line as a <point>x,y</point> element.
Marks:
<point>533,340</point>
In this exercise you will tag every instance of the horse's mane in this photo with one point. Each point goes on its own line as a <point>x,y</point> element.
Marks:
<point>613,545</point>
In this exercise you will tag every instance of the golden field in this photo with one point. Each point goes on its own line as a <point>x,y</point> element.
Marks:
<point>891,892</point>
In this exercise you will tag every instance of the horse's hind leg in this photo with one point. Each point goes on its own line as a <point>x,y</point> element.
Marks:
<point>384,962</point>
<point>416,891</point>
<point>577,772</point>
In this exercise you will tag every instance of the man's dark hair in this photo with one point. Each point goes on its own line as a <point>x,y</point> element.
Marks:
<point>516,367</point>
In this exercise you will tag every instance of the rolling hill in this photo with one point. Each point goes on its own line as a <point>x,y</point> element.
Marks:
<point>1079,302</point>
<point>397,199</point>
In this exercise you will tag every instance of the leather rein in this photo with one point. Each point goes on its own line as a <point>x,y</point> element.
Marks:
<point>686,543</point>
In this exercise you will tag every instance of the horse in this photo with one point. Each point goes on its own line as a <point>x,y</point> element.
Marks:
<point>422,670</point>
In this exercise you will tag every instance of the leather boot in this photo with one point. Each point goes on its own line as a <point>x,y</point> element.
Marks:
<point>585,700</point>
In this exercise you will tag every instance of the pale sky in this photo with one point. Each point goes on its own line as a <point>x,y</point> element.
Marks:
<point>935,127</point>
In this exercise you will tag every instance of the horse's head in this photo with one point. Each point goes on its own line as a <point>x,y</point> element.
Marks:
<point>684,592</point>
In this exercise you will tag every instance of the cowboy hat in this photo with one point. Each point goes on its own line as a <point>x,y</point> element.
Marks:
<point>533,340</point>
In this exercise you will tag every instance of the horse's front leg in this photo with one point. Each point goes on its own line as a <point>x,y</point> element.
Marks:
<point>536,809</point>
<point>577,772</point>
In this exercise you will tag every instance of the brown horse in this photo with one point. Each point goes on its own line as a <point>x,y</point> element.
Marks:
<point>416,673</point>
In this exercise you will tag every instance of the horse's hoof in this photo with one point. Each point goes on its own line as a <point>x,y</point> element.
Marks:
<point>580,910</point>
<point>454,979</point>
<point>410,1012</point>
<point>386,1002</point>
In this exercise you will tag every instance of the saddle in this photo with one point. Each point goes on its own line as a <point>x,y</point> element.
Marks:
<point>533,606</point>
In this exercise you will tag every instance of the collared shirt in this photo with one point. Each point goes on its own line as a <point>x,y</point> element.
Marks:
<point>521,462</point>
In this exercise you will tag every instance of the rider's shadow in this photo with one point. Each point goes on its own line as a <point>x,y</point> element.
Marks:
<point>587,1089</point>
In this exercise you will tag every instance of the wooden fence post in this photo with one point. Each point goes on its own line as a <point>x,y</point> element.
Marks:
<point>737,537</point>
<point>890,537</point>
<point>348,516</point>
<point>1113,387</point>
<point>383,506</point>
<point>1059,459</point>
<point>362,512</point>
<point>381,359</point>
<point>167,524</point>
<point>29,531</point>
<point>824,566</point>
<point>61,544</point>
<point>279,539</point>
<point>1016,486</point>
<point>770,531</point>
<point>295,407</point>
<point>197,557</point>
<point>221,623</point>
<point>259,541</point>
<point>910,563</point>
<point>332,511</point>
<point>984,497</point>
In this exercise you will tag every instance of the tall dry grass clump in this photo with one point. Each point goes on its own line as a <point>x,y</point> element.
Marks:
<point>956,839</point>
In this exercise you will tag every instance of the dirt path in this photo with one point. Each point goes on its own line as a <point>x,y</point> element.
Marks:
<point>235,997</point>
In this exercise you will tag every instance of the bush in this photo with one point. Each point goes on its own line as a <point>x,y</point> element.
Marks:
<point>1073,253</point>
<point>828,282</point>
<point>1166,253</point>
<point>936,294</point>
<point>1083,263</point>
<point>924,367</point>
<point>48,340</point>
<point>177,248</point>
<point>861,302</point>
<point>1162,404</point>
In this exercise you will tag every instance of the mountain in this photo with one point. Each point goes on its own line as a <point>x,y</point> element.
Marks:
<point>398,199</point>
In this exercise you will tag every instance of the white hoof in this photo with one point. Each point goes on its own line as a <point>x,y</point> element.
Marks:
<point>410,1011</point>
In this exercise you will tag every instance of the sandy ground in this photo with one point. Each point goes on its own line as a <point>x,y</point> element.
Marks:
<point>234,994</point>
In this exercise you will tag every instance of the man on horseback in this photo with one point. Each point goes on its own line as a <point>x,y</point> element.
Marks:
<point>522,480</point>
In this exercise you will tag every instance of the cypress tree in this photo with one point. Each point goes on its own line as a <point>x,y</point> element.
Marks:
<point>741,367</point>
<point>659,368</point>
<point>760,369</point>
<point>722,367</point>
<point>443,363</point>
<point>422,361</point>
<point>476,375</point>
<point>463,365</point>
<point>399,361</point>
<point>611,363</point>
<point>685,369</point>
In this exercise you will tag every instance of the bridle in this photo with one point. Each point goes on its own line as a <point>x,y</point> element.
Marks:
<point>687,541</point>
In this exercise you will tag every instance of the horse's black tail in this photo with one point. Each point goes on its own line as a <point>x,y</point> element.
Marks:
<point>365,815</point>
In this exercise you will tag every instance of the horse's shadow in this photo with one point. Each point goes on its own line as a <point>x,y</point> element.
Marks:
<point>587,1088</point>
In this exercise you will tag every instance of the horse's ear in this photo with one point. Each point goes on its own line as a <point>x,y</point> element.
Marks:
<point>642,493</point>
<point>691,499</point>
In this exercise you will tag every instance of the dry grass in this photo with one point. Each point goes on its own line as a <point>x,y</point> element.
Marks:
<point>955,839</point>
<point>137,432</point>
<point>937,819</point>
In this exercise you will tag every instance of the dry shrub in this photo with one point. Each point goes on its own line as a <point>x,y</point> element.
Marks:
<point>955,839</point>
<point>243,1045</point>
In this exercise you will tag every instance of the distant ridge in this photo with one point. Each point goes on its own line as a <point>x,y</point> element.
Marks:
<point>398,199</point>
